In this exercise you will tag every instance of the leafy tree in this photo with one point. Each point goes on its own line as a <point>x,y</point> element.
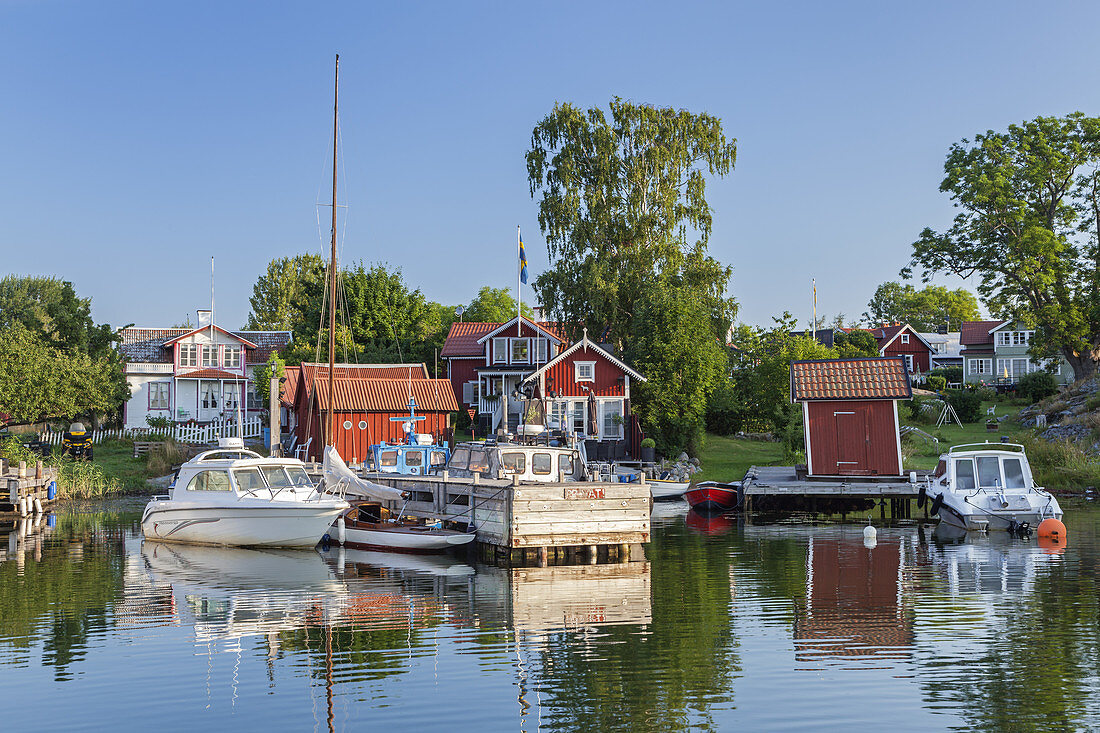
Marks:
<point>51,308</point>
<point>617,198</point>
<point>494,305</point>
<point>1029,228</point>
<point>278,295</point>
<point>274,367</point>
<point>925,309</point>
<point>854,343</point>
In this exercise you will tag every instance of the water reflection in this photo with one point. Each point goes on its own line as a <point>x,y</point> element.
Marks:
<point>925,629</point>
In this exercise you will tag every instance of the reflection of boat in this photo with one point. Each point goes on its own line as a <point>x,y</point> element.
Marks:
<point>367,527</point>
<point>234,592</point>
<point>668,510</point>
<point>232,496</point>
<point>710,524</point>
<point>979,564</point>
<point>440,565</point>
<point>711,496</point>
<point>987,486</point>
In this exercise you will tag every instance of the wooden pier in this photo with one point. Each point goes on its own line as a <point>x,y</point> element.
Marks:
<point>25,490</point>
<point>785,488</point>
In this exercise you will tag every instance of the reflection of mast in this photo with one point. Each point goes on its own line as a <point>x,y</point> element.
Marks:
<point>328,673</point>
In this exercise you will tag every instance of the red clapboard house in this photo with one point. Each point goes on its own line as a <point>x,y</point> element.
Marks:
<point>901,339</point>
<point>489,363</point>
<point>850,414</point>
<point>365,398</point>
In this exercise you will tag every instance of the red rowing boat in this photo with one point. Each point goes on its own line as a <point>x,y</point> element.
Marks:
<point>711,496</point>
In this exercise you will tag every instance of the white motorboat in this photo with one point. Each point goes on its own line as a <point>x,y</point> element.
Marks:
<point>366,527</point>
<point>233,496</point>
<point>982,486</point>
<point>662,487</point>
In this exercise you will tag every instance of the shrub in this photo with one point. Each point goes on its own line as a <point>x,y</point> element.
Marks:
<point>967,403</point>
<point>1093,403</point>
<point>462,420</point>
<point>1037,386</point>
<point>158,422</point>
<point>949,374</point>
<point>937,383</point>
<point>725,413</point>
<point>1061,464</point>
<point>649,443</point>
<point>163,456</point>
<point>915,408</point>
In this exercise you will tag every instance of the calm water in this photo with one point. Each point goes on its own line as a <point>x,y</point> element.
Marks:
<point>724,625</point>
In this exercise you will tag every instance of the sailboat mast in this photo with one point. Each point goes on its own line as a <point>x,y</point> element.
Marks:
<point>332,268</point>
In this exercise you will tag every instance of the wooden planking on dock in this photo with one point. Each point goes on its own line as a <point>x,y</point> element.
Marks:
<point>20,481</point>
<point>784,481</point>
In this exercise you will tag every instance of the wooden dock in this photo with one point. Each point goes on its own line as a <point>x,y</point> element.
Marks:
<point>785,488</point>
<point>25,490</point>
<point>541,517</point>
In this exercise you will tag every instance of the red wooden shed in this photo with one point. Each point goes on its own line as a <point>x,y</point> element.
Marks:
<point>850,414</point>
<point>364,405</point>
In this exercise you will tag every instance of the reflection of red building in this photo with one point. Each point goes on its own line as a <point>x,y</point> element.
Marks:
<point>852,605</point>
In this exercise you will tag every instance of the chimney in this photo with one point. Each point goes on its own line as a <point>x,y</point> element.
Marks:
<point>203,317</point>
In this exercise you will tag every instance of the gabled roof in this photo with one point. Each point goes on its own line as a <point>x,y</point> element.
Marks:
<point>542,328</point>
<point>584,343</point>
<point>875,378</point>
<point>193,331</point>
<point>289,388</point>
<point>976,333</point>
<point>462,340</point>
<point>885,335</point>
<point>386,395</point>
<point>150,345</point>
<point>211,373</point>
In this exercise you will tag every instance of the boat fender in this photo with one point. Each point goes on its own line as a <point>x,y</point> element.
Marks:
<point>341,531</point>
<point>936,504</point>
<point>922,497</point>
<point>326,542</point>
<point>1052,528</point>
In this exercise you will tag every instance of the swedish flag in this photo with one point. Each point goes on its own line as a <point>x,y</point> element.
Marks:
<point>522,262</point>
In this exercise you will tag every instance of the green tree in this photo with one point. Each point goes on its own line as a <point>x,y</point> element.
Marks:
<point>925,309</point>
<point>494,305</point>
<point>1028,228</point>
<point>51,308</point>
<point>278,296</point>
<point>855,343</point>
<point>274,367</point>
<point>617,197</point>
<point>623,208</point>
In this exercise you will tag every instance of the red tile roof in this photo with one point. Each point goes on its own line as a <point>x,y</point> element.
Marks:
<point>879,378</point>
<point>210,374</point>
<point>387,395</point>
<point>290,387</point>
<point>462,339</point>
<point>976,333</point>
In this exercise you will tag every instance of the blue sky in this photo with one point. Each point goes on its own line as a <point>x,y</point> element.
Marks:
<point>138,139</point>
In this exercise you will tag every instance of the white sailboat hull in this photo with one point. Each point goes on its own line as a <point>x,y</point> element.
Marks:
<point>260,523</point>
<point>667,489</point>
<point>404,538</point>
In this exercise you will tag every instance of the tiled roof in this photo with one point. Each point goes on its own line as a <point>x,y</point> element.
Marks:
<point>878,378</point>
<point>210,374</point>
<point>976,333</point>
<point>387,395</point>
<point>290,387</point>
<point>147,344</point>
<point>462,339</point>
<point>883,334</point>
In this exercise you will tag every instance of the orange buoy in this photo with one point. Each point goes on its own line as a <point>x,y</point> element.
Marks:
<point>1052,546</point>
<point>1053,529</point>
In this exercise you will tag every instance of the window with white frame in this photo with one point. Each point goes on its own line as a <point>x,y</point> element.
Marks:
<point>540,351</point>
<point>1014,338</point>
<point>584,371</point>
<point>158,395</point>
<point>559,414</point>
<point>208,395</point>
<point>232,357</point>
<point>229,396</point>
<point>521,351</point>
<point>612,411</point>
<point>189,355</point>
<point>981,366</point>
<point>905,338</point>
<point>209,356</point>
<point>500,351</point>
<point>470,393</point>
<point>580,410</point>
<point>252,399</point>
<point>909,363</point>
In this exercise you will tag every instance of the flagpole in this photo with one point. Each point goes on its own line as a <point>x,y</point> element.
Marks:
<point>814,281</point>
<point>519,271</point>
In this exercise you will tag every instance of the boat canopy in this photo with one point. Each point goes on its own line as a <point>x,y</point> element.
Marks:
<point>339,477</point>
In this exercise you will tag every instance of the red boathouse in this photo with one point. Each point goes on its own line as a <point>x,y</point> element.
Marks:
<point>850,414</point>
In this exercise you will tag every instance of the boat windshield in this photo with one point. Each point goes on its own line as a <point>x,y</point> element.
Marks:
<point>460,458</point>
<point>514,461</point>
<point>438,458</point>
<point>414,458</point>
<point>479,461</point>
<point>989,472</point>
<point>964,475</point>
<point>248,479</point>
<point>1014,473</point>
<point>541,464</point>
<point>388,458</point>
<point>565,464</point>
<point>276,477</point>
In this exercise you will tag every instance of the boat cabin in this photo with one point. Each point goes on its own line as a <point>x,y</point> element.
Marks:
<point>416,459</point>
<point>985,467</point>
<point>242,472</point>
<point>527,463</point>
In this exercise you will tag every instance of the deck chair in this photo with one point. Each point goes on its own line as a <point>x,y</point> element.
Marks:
<point>302,451</point>
<point>991,410</point>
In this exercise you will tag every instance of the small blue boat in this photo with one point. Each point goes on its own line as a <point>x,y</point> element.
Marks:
<point>420,455</point>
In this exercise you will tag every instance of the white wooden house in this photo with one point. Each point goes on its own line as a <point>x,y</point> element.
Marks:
<point>197,374</point>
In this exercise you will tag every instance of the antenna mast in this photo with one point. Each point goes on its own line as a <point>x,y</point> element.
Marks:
<point>332,268</point>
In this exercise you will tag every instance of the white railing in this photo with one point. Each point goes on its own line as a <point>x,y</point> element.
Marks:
<point>209,433</point>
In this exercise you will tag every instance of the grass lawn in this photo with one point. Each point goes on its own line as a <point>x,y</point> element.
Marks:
<point>727,459</point>
<point>116,458</point>
<point>921,453</point>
